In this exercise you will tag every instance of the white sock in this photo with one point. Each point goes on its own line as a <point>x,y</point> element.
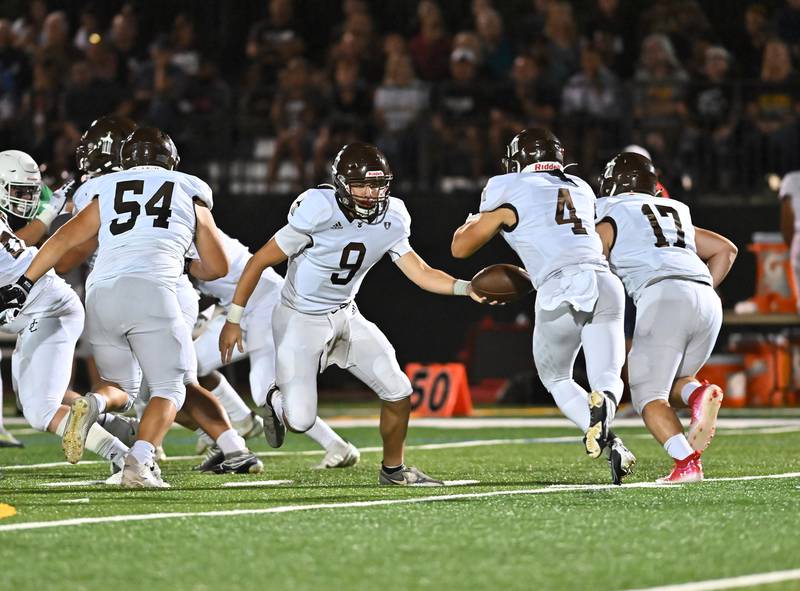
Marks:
<point>101,402</point>
<point>322,433</point>
<point>139,405</point>
<point>205,437</point>
<point>572,400</point>
<point>231,442</point>
<point>234,405</point>
<point>277,406</point>
<point>143,451</point>
<point>1,405</point>
<point>105,445</point>
<point>62,426</point>
<point>678,447</point>
<point>687,390</point>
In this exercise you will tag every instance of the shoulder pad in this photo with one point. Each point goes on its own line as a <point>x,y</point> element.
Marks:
<point>198,189</point>
<point>398,207</point>
<point>310,211</point>
<point>790,185</point>
<point>84,194</point>
<point>495,192</point>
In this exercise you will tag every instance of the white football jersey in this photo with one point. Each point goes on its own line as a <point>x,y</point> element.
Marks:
<point>654,241</point>
<point>327,272</point>
<point>224,287</point>
<point>147,222</point>
<point>555,221</point>
<point>790,189</point>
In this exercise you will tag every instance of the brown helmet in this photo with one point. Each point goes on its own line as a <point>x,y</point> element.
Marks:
<point>98,149</point>
<point>149,146</point>
<point>629,172</point>
<point>362,164</point>
<point>534,145</point>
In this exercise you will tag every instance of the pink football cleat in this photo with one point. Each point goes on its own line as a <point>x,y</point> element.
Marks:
<point>685,471</point>
<point>704,402</point>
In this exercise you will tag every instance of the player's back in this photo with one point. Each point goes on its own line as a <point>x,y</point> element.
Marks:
<point>790,189</point>
<point>555,226</point>
<point>147,222</point>
<point>654,240</point>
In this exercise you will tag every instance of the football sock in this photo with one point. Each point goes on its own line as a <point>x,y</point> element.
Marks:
<point>572,400</point>
<point>687,390</point>
<point>392,469</point>
<point>205,437</point>
<point>143,451</point>
<point>322,433</point>
<point>101,401</point>
<point>234,405</point>
<point>62,426</point>
<point>105,445</point>
<point>1,405</point>
<point>678,447</point>
<point>231,442</point>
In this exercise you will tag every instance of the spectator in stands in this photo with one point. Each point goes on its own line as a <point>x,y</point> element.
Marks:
<point>609,31</point>
<point>89,26</point>
<point>274,42</point>
<point>787,22</point>
<point>714,109</point>
<point>496,49</point>
<point>591,111</point>
<point>529,24</point>
<point>28,29</point>
<point>55,51</point>
<point>757,33</point>
<point>399,105</point>
<point>295,117</point>
<point>102,62</point>
<point>186,54</point>
<point>359,43</point>
<point>561,42</point>
<point>527,101</point>
<point>86,96</point>
<point>39,119</point>
<point>430,48</point>
<point>459,108</point>
<point>772,108</point>
<point>15,79</point>
<point>659,90</point>
<point>347,118</point>
<point>123,41</point>
<point>394,44</point>
<point>160,87</point>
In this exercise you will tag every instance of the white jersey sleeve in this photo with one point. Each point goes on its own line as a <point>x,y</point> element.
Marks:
<point>307,214</point>
<point>790,189</point>
<point>495,194</point>
<point>403,246</point>
<point>197,189</point>
<point>84,195</point>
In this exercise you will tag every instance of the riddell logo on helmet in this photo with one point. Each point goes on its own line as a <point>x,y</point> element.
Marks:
<point>538,166</point>
<point>373,173</point>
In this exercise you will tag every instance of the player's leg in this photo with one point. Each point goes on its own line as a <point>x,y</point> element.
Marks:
<point>703,399</point>
<point>603,339</point>
<point>7,439</point>
<point>372,359</point>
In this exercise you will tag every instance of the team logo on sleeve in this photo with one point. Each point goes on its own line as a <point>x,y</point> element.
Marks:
<point>387,225</point>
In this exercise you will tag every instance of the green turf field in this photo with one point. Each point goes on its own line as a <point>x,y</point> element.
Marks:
<point>512,530</point>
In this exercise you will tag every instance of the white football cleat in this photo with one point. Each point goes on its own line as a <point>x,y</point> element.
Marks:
<point>340,458</point>
<point>138,475</point>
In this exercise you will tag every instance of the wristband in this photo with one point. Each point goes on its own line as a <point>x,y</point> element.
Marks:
<point>461,287</point>
<point>235,314</point>
<point>47,216</point>
<point>25,283</point>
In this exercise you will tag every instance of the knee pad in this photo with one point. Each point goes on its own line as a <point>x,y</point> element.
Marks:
<point>642,399</point>
<point>176,393</point>
<point>298,420</point>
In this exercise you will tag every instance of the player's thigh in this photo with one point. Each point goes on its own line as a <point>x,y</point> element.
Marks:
<point>206,346</point>
<point>603,336</point>
<point>42,365</point>
<point>372,359</point>
<point>262,373</point>
<point>556,342</point>
<point>708,323</point>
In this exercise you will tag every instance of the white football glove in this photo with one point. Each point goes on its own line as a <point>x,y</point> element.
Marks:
<point>9,315</point>
<point>57,201</point>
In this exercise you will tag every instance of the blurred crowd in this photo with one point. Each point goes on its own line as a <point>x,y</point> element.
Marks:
<point>439,86</point>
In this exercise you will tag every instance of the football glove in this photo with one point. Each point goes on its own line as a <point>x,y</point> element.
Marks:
<point>13,296</point>
<point>56,204</point>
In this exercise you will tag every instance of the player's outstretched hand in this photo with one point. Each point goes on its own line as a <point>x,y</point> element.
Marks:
<point>230,336</point>
<point>483,300</point>
<point>15,294</point>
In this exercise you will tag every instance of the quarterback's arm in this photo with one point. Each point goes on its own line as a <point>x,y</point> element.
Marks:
<point>787,220</point>
<point>430,279</point>
<point>213,263</point>
<point>268,255</point>
<point>716,251</point>
<point>607,234</point>
<point>479,229</point>
<point>78,230</point>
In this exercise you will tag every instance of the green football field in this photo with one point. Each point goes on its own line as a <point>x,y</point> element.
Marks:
<point>538,514</point>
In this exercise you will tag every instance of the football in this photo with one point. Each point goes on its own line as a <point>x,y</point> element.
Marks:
<point>502,283</point>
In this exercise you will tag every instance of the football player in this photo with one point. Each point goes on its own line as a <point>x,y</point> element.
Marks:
<point>789,193</point>
<point>670,268</point>
<point>47,322</point>
<point>257,334</point>
<point>145,219</point>
<point>334,235</point>
<point>547,217</point>
<point>20,177</point>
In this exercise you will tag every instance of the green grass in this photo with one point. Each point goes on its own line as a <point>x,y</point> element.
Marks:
<point>599,539</point>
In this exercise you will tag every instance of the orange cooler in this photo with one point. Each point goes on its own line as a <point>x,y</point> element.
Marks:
<point>728,372</point>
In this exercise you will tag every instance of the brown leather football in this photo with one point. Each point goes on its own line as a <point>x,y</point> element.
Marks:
<point>502,283</point>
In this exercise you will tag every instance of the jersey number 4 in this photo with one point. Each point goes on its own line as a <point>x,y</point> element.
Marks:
<point>565,201</point>
<point>664,210</point>
<point>157,207</point>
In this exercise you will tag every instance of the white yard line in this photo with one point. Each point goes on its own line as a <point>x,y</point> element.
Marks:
<point>549,422</point>
<point>375,503</point>
<point>255,483</point>
<point>778,576</point>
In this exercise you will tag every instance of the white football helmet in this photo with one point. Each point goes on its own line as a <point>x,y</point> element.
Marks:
<point>20,184</point>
